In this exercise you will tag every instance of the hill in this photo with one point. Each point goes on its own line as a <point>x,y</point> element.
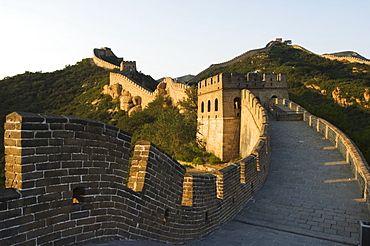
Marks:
<point>217,67</point>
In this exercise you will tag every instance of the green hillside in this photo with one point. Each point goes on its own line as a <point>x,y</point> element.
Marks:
<point>76,90</point>
<point>70,91</point>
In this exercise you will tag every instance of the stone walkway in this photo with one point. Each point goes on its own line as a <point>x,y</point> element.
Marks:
<point>309,197</point>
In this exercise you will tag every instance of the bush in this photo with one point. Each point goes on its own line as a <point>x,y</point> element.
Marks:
<point>198,160</point>
<point>212,159</point>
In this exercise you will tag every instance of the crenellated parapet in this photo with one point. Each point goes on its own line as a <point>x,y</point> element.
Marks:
<point>254,123</point>
<point>69,180</point>
<point>176,91</point>
<point>126,84</point>
<point>264,86</point>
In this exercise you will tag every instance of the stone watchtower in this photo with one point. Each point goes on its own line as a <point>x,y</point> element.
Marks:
<point>219,107</point>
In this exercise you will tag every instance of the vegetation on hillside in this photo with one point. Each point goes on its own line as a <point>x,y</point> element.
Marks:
<point>302,69</point>
<point>76,90</point>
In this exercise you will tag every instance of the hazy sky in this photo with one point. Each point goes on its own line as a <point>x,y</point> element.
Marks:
<point>172,37</point>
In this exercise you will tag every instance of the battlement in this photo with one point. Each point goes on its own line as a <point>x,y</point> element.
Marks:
<point>175,90</point>
<point>128,66</point>
<point>242,81</point>
<point>68,181</point>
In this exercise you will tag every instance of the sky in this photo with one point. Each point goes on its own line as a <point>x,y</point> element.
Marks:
<point>172,38</point>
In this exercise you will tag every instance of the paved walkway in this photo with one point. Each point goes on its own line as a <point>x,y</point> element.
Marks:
<point>309,197</point>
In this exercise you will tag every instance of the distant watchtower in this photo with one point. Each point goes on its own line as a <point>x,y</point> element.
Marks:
<point>219,107</point>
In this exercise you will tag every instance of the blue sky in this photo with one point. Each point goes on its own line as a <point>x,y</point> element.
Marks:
<point>171,38</point>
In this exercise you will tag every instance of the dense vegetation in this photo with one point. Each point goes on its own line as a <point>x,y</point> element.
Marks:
<point>302,69</point>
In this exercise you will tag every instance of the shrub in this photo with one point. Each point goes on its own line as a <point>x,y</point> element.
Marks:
<point>198,160</point>
<point>212,159</point>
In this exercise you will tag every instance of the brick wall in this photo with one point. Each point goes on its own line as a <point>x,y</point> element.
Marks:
<point>68,181</point>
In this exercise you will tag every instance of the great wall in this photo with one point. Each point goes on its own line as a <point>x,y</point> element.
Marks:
<point>69,180</point>
<point>132,95</point>
<point>346,59</point>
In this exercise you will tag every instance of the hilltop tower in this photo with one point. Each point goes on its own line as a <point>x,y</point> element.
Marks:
<point>219,107</point>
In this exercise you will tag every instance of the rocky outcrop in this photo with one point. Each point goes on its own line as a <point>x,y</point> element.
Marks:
<point>367,95</point>
<point>343,100</point>
<point>316,87</point>
<point>114,91</point>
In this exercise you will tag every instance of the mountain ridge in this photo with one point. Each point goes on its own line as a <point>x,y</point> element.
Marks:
<point>276,42</point>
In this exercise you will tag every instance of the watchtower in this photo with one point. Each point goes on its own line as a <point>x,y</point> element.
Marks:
<point>219,114</point>
<point>219,107</point>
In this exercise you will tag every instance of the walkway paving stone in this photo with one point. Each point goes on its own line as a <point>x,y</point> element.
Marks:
<point>310,189</point>
<point>309,198</point>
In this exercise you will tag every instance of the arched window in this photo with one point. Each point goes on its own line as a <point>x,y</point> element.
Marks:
<point>216,104</point>
<point>274,96</point>
<point>209,106</point>
<point>202,107</point>
<point>237,103</point>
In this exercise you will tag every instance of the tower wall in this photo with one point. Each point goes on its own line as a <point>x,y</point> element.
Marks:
<point>221,129</point>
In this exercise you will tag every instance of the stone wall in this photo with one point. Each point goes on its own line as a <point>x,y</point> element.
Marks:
<point>102,63</point>
<point>345,145</point>
<point>175,90</point>
<point>172,89</point>
<point>135,89</point>
<point>253,123</point>
<point>346,58</point>
<point>68,181</point>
